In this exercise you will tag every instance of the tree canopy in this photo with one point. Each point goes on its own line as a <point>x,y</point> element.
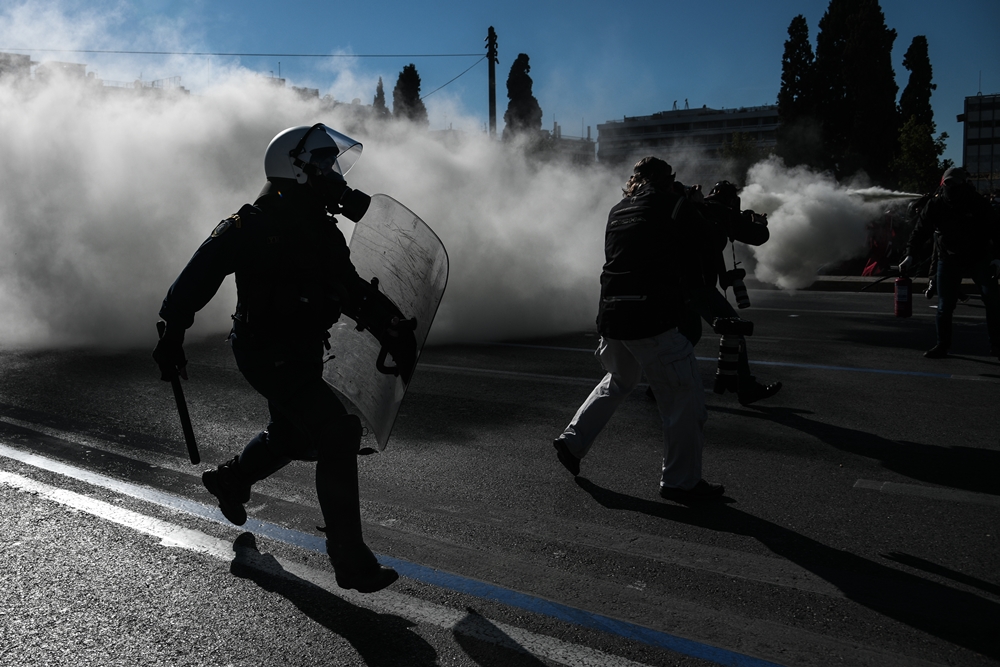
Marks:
<point>378,105</point>
<point>798,140</point>
<point>523,113</point>
<point>406,102</point>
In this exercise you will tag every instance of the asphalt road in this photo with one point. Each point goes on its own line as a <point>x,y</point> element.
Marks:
<point>859,527</point>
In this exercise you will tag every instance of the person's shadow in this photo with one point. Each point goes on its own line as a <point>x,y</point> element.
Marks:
<point>967,468</point>
<point>382,640</point>
<point>956,616</point>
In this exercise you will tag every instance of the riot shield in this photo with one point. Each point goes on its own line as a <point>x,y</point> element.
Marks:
<point>394,245</point>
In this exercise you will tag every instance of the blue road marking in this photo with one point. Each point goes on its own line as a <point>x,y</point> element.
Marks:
<point>415,571</point>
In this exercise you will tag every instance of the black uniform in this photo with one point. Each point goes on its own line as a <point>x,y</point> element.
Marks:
<point>967,238</point>
<point>294,278</point>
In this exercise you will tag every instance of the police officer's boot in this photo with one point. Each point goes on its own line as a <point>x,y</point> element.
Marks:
<point>226,484</point>
<point>353,562</point>
<point>726,378</point>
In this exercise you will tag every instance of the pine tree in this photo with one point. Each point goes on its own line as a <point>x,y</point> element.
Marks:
<point>798,140</point>
<point>406,102</point>
<point>870,94</point>
<point>523,114</point>
<point>378,105</point>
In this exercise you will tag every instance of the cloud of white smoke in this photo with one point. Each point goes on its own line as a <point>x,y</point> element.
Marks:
<point>814,221</point>
<point>107,193</point>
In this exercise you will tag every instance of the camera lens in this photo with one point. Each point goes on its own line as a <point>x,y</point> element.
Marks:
<point>740,291</point>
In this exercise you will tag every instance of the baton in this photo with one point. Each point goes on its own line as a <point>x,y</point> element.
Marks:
<point>182,409</point>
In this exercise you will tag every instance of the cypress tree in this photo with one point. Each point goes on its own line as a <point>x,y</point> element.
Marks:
<point>798,138</point>
<point>870,94</point>
<point>833,112</point>
<point>378,105</point>
<point>523,112</point>
<point>406,102</point>
<point>916,97</point>
<point>918,164</point>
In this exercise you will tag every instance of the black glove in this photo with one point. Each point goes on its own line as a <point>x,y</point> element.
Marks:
<point>169,354</point>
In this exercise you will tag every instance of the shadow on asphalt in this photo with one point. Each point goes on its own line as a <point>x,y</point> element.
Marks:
<point>965,468</point>
<point>942,571</point>
<point>956,616</point>
<point>488,645</point>
<point>380,639</point>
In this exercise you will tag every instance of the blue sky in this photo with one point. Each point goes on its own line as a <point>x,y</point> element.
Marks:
<point>590,63</point>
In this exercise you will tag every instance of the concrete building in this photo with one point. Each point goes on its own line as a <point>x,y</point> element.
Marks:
<point>699,133</point>
<point>981,141</point>
<point>15,65</point>
<point>579,150</point>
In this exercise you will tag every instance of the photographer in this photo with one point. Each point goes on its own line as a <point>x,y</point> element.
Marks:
<point>643,283</point>
<point>725,223</point>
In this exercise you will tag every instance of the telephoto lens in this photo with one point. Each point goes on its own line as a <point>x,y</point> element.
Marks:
<point>740,291</point>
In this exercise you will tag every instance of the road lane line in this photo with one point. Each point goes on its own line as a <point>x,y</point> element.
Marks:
<point>563,379</point>
<point>788,364</point>
<point>764,569</point>
<point>386,601</point>
<point>412,570</point>
<point>933,492</point>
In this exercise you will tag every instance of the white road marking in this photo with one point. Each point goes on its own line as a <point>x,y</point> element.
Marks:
<point>934,492</point>
<point>386,601</point>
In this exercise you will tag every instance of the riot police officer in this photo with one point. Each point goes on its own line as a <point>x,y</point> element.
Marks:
<point>967,239</point>
<point>294,279</point>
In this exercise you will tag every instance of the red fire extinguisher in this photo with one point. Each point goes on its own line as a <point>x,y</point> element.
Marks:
<point>904,297</point>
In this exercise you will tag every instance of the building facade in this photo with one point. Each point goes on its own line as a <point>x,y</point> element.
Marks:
<point>701,133</point>
<point>981,141</point>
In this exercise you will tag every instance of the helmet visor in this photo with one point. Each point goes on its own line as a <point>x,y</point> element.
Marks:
<point>330,150</point>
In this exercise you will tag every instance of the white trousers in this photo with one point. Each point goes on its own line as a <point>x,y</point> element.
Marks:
<point>670,367</point>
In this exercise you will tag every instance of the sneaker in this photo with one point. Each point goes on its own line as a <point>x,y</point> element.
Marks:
<point>361,572</point>
<point>570,462</point>
<point>757,391</point>
<point>931,290</point>
<point>937,352</point>
<point>701,491</point>
<point>224,483</point>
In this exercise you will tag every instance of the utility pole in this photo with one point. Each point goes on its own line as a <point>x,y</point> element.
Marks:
<point>491,55</point>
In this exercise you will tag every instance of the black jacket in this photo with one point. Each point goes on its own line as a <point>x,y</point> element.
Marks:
<point>292,266</point>
<point>651,261</point>
<point>963,222</point>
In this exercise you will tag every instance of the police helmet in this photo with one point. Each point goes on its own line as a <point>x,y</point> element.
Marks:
<point>300,152</point>
<point>725,193</point>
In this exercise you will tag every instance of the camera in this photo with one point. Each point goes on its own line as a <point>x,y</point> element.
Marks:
<point>732,326</point>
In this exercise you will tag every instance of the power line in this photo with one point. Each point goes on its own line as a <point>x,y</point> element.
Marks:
<point>445,84</point>
<point>256,55</point>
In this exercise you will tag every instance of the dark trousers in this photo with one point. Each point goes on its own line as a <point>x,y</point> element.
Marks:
<point>307,423</point>
<point>950,269</point>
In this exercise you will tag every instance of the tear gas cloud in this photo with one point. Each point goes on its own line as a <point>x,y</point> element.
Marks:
<point>106,196</point>
<point>813,220</point>
<point>108,193</point>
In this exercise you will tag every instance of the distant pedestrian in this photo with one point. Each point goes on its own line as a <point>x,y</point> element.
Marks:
<point>650,252</point>
<point>967,238</point>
